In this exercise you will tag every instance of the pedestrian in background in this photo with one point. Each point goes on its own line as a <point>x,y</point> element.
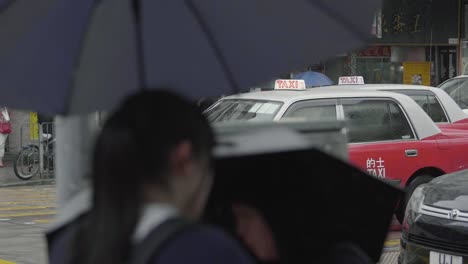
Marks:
<point>151,168</point>
<point>5,130</point>
<point>46,123</point>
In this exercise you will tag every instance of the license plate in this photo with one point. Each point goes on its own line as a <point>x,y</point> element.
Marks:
<point>441,258</point>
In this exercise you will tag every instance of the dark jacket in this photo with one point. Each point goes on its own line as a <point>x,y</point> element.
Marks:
<point>203,245</point>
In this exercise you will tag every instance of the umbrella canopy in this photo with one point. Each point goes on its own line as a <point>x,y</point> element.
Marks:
<point>67,56</point>
<point>310,200</point>
<point>314,79</point>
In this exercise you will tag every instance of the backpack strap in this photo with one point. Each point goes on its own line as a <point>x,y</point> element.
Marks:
<point>151,246</point>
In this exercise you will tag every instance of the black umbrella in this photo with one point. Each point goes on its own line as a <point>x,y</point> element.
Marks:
<point>68,56</point>
<point>311,201</point>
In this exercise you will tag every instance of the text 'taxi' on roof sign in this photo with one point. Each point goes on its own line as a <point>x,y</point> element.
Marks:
<point>290,84</point>
<point>351,80</point>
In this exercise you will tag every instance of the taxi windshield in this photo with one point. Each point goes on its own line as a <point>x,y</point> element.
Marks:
<point>243,110</point>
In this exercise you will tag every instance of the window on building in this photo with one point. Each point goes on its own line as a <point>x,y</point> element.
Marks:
<point>379,70</point>
<point>375,120</point>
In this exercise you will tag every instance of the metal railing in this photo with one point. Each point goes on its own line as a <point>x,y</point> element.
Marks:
<point>42,137</point>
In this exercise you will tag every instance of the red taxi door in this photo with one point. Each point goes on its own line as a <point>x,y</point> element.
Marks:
<point>382,142</point>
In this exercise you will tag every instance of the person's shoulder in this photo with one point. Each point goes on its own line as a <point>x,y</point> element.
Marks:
<point>208,233</point>
<point>203,244</point>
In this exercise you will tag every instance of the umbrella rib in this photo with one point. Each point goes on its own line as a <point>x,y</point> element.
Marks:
<point>214,45</point>
<point>139,44</point>
<point>340,19</point>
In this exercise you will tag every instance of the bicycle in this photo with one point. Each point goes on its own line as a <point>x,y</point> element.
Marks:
<point>27,163</point>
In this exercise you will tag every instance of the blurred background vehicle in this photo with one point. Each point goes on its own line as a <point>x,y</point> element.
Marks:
<point>457,88</point>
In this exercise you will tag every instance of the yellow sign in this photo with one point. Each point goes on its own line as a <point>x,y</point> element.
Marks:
<point>417,73</point>
<point>33,126</point>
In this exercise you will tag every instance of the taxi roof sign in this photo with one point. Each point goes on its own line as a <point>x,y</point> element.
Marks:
<point>285,84</point>
<point>351,80</point>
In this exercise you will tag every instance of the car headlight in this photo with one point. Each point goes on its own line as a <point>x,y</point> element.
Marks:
<point>413,208</point>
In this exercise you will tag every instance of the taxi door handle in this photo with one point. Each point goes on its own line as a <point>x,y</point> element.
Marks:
<point>411,153</point>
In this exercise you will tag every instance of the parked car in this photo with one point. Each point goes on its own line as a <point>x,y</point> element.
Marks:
<point>457,88</point>
<point>435,228</point>
<point>390,136</point>
<point>443,110</point>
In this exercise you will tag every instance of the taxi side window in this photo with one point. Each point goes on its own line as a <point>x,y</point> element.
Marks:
<point>313,110</point>
<point>431,106</point>
<point>375,120</point>
<point>436,112</point>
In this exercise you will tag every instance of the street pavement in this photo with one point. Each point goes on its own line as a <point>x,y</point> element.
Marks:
<point>7,175</point>
<point>26,212</point>
<point>391,248</point>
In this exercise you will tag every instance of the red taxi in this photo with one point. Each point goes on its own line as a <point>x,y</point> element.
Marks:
<point>443,110</point>
<point>390,136</point>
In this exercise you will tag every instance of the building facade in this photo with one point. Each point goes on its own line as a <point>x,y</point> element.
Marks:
<point>414,41</point>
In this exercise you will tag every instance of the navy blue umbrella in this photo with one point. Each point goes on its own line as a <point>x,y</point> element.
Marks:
<point>314,79</point>
<point>69,56</point>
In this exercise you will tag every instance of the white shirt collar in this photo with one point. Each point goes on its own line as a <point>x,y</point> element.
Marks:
<point>152,215</point>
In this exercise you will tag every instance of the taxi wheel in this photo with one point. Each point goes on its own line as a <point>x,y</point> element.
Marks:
<point>421,179</point>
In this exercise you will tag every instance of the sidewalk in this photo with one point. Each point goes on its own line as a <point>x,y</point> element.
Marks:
<point>25,212</point>
<point>8,177</point>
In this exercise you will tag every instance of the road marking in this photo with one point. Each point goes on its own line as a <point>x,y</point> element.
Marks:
<point>28,203</point>
<point>21,208</point>
<point>394,242</point>
<point>43,221</point>
<point>22,195</point>
<point>27,214</point>
<point>6,262</point>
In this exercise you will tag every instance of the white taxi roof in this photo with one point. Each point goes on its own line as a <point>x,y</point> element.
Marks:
<point>287,96</point>
<point>453,110</point>
<point>422,123</point>
<point>459,77</point>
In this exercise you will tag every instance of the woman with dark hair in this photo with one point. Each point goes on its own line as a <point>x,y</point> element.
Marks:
<point>152,164</point>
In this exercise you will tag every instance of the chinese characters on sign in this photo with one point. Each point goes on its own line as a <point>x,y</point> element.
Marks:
<point>376,51</point>
<point>376,167</point>
<point>401,23</point>
<point>425,22</point>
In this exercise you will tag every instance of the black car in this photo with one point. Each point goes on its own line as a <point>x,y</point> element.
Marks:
<point>435,228</point>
